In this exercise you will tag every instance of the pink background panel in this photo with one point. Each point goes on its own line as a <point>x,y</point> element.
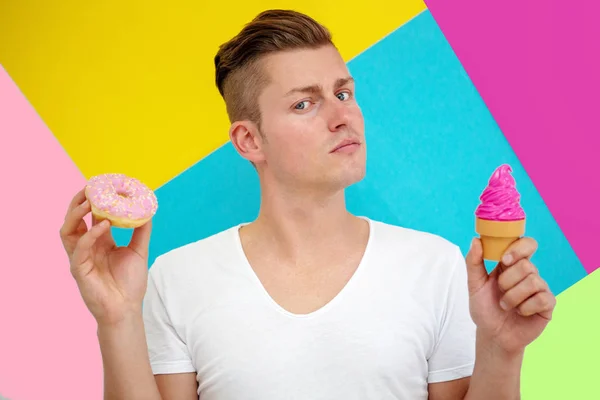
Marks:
<point>539,77</point>
<point>48,343</point>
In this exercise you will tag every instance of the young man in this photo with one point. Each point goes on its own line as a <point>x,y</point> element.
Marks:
<point>308,301</point>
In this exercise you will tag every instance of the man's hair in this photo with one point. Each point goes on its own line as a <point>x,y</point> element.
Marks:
<point>240,78</point>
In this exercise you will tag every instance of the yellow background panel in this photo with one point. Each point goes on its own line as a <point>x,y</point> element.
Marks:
<point>128,86</point>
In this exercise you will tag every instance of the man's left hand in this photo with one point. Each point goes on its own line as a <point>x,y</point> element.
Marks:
<point>512,305</point>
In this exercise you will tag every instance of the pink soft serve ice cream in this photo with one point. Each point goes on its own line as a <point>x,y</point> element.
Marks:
<point>500,201</point>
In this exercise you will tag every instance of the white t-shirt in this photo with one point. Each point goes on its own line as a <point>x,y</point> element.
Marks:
<point>401,322</point>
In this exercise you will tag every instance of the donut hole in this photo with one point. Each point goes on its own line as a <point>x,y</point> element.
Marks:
<point>122,193</point>
<point>123,190</point>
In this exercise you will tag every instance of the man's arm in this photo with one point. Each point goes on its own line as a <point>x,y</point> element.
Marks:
<point>496,375</point>
<point>127,371</point>
<point>450,390</point>
<point>181,386</point>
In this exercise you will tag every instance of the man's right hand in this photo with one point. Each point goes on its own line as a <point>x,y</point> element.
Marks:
<point>112,280</point>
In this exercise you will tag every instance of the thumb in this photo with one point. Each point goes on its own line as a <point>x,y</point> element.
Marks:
<point>477,275</point>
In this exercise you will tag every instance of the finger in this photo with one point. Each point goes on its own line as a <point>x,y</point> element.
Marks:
<point>76,200</point>
<point>140,239</point>
<point>85,244</point>
<point>528,287</point>
<point>96,220</point>
<point>512,276</point>
<point>74,218</point>
<point>541,303</point>
<point>522,248</point>
<point>477,275</point>
<point>106,239</point>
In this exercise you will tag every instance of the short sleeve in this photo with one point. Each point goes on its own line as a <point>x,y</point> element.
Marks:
<point>168,352</point>
<point>454,353</point>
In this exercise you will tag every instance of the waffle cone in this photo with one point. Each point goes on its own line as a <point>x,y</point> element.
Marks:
<point>497,236</point>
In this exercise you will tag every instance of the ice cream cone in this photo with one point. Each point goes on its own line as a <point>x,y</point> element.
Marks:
<point>499,219</point>
<point>497,236</point>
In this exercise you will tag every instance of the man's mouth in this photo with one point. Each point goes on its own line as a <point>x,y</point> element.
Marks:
<point>346,146</point>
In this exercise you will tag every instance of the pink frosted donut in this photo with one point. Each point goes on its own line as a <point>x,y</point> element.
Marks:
<point>123,200</point>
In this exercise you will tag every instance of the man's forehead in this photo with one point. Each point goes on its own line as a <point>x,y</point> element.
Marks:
<point>289,79</point>
<point>292,70</point>
<point>305,62</point>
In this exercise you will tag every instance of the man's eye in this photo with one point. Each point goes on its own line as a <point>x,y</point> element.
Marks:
<point>302,105</point>
<point>343,96</point>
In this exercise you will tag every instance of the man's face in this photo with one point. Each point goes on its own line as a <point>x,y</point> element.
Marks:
<point>308,111</point>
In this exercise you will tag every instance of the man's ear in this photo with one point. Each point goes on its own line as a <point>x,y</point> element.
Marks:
<point>247,140</point>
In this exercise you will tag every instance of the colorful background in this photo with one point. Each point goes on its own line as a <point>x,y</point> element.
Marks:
<point>450,90</point>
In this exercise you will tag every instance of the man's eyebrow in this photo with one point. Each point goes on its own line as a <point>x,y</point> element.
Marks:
<point>313,89</point>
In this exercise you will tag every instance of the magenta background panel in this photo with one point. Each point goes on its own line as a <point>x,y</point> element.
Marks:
<point>536,64</point>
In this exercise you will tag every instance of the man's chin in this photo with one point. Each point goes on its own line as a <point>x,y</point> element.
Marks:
<point>347,178</point>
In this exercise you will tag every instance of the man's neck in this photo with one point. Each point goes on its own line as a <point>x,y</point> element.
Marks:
<point>299,229</point>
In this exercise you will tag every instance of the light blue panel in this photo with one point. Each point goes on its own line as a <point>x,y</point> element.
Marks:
<point>216,193</point>
<point>432,145</point>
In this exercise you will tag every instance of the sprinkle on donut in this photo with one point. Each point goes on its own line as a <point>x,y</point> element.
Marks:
<point>121,196</point>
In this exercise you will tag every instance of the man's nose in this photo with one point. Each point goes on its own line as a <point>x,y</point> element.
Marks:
<point>337,115</point>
